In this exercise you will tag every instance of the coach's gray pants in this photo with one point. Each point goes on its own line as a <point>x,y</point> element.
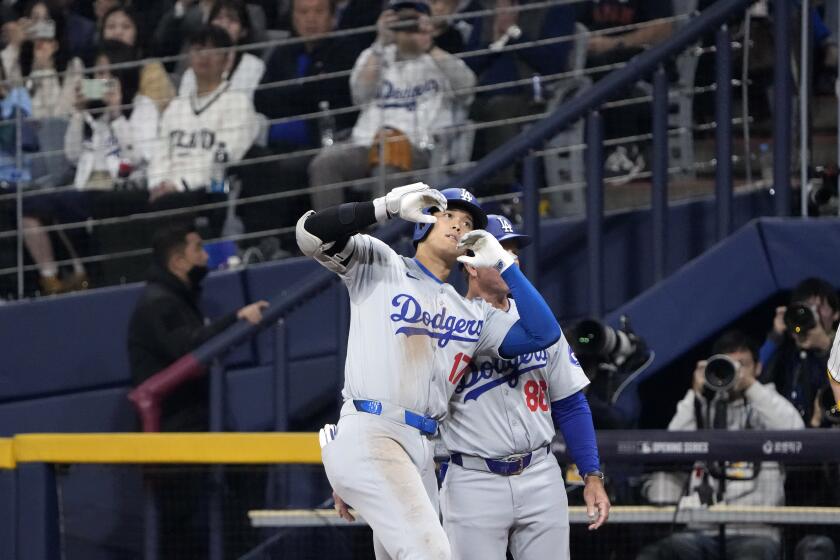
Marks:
<point>385,470</point>
<point>484,513</point>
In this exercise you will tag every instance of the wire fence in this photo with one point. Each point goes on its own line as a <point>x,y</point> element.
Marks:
<point>277,181</point>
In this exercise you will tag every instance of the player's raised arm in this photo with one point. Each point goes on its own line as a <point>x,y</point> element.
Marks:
<point>326,234</point>
<point>537,328</point>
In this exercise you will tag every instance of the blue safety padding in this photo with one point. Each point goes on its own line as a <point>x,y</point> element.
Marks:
<point>37,509</point>
<point>250,392</point>
<point>67,343</point>
<point>106,410</point>
<point>250,402</point>
<point>313,327</point>
<point>314,382</point>
<point>102,511</point>
<point>628,254</point>
<point>8,515</point>
<point>799,249</point>
<point>707,293</point>
<point>225,292</point>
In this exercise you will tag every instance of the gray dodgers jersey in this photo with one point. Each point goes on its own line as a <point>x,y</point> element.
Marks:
<point>407,328</point>
<point>503,407</point>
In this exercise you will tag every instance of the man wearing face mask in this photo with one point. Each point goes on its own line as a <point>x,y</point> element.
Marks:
<point>168,323</point>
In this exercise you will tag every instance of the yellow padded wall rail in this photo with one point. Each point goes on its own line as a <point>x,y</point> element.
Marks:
<point>7,455</point>
<point>218,448</point>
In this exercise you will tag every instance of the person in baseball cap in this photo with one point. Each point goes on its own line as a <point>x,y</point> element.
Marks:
<point>461,199</point>
<point>504,230</point>
<point>407,326</point>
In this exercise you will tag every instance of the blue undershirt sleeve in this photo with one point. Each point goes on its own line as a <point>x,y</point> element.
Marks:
<point>536,328</point>
<point>574,420</point>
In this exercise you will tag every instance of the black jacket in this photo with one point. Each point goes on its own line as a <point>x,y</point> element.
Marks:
<point>327,57</point>
<point>166,324</point>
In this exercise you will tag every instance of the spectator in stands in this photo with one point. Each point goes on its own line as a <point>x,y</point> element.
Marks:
<point>313,57</point>
<point>120,128</point>
<point>107,137</point>
<point>515,23</point>
<point>213,119</point>
<point>347,15</point>
<point>748,406</point>
<point>79,35</point>
<point>120,24</point>
<point>186,18</point>
<point>796,362</point>
<point>451,32</point>
<point>50,76</point>
<point>102,7</point>
<point>246,70</point>
<point>408,89</point>
<point>168,323</point>
<point>611,48</point>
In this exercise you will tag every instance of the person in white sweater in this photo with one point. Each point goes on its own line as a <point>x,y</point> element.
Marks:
<point>245,70</point>
<point>122,126</point>
<point>749,405</point>
<point>193,128</point>
<point>408,89</point>
<point>105,133</point>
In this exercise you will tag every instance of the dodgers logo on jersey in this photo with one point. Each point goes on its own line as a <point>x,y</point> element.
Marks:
<point>440,326</point>
<point>393,96</point>
<point>497,373</point>
<point>572,357</point>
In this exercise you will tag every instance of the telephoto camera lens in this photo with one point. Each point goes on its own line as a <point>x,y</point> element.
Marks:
<point>720,372</point>
<point>799,319</point>
<point>594,338</point>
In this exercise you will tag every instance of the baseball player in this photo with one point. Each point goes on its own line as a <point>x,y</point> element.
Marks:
<point>502,486</point>
<point>408,330</point>
<point>834,372</point>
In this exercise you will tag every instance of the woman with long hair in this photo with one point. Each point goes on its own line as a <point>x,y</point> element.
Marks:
<point>120,24</point>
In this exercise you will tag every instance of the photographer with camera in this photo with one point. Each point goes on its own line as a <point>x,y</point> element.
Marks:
<point>724,395</point>
<point>795,354</point>
<point>612,360</point>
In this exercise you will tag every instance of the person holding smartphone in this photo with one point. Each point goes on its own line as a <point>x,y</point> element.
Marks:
<point>50,78</point>
<point>109,140</point>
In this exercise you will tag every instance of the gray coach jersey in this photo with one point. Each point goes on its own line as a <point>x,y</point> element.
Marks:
<point>503,407</point>
<point>408,329</point>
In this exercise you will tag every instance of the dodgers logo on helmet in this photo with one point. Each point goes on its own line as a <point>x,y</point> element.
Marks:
<point>461,199</point>
<point>505,224</point>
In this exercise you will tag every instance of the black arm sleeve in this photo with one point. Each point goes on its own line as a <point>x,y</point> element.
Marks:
<point>338,223</point>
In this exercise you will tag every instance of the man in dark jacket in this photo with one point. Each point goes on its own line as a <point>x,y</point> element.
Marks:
<point>312,57</point>
<point>168,323</point>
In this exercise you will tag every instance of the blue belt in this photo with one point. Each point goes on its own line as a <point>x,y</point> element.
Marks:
<point>425,424</point>
<point>507,466</point>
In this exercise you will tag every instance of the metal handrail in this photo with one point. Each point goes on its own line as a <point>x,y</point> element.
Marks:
<point>576,108</point>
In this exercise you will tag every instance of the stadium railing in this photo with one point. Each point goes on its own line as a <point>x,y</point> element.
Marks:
<point>74,495</point>
<point>207,356</point>
<point>541,127</point>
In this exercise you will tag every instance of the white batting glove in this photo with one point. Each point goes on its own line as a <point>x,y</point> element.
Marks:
<point>408,202</point>
<point>327,434</point>
<point>487,251</point>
